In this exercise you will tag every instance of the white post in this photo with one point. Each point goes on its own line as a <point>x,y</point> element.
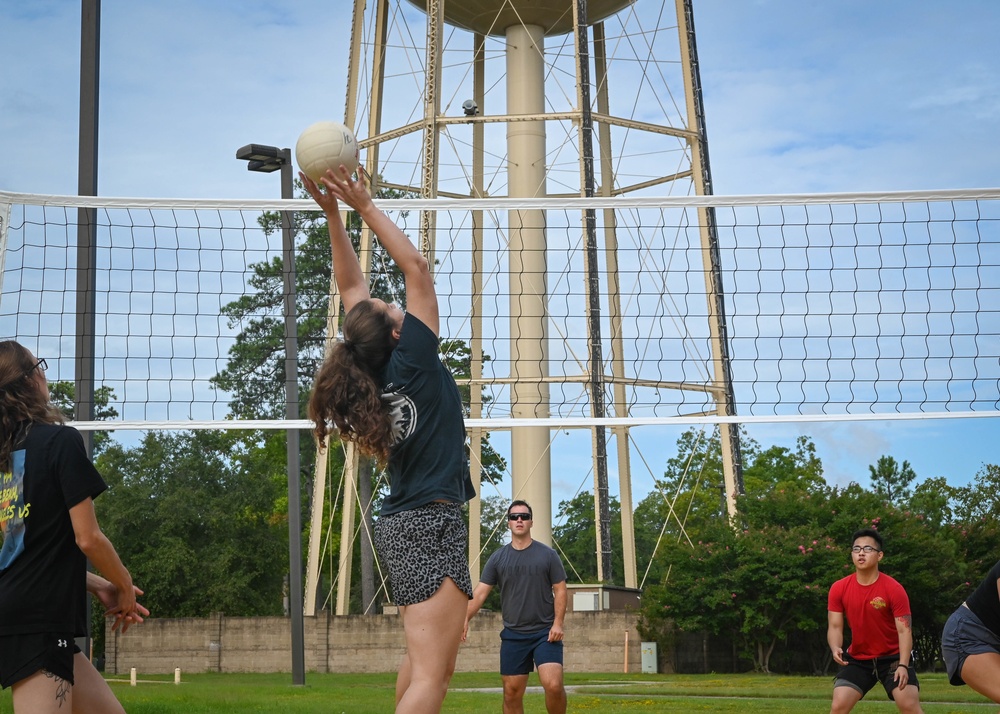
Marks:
<point>177,675</point>
<point>530,466</point>
<point>132,679</point>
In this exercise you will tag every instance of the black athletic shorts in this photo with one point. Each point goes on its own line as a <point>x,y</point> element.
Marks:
<point>863,674</point>
<point>23,655</point>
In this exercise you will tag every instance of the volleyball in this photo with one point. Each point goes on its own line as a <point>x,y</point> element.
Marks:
<point>326,145</point>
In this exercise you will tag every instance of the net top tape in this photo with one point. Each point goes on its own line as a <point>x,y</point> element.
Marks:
<point>560,202</point>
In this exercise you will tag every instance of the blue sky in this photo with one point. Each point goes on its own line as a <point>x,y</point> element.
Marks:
<point>799,97</point>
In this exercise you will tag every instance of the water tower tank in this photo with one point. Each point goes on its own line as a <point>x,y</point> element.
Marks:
<point>493,17</point>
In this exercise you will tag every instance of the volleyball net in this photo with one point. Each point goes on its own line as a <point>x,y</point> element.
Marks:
<point>834,306</point>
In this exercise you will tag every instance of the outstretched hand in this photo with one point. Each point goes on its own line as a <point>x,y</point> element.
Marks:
<point>339,186</point>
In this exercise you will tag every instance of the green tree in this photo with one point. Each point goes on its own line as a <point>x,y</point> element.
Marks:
<point>978,499</point>
<point>891,480</point>
<point>690,497</point>
<point>576,538</point>
<point>199,532</point>
<point>935,499</point>
<point>63,395</point>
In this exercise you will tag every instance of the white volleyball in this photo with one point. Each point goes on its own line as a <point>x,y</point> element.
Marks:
<point>326,145</point>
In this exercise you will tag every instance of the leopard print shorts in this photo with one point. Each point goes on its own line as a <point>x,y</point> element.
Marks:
<point>421,547</point>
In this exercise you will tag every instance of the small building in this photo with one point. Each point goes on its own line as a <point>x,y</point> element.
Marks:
<point>597,597</point>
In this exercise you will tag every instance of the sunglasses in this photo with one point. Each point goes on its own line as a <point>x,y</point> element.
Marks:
<point>518,516</point>
<point>40,364</point>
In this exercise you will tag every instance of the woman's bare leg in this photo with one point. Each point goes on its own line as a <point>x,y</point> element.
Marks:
<point>433,633</point>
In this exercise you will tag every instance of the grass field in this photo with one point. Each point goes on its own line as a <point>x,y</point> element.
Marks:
<point>479,694</point>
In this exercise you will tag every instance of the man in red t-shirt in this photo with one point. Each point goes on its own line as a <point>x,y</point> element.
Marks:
<point>878,613</point>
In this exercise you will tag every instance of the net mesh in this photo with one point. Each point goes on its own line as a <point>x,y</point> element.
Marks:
<point>868,304</point>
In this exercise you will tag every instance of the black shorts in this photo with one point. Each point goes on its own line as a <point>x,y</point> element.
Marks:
<point>421,547</point>
<point>23,655</point>
<point>863,674</point>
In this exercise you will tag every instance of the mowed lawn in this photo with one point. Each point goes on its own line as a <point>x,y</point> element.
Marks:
<point>479,694</point>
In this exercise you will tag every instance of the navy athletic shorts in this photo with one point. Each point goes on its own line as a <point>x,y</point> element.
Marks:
<point>520,652</point>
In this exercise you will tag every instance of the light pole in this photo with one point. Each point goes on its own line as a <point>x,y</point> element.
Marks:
<point>266,159</point>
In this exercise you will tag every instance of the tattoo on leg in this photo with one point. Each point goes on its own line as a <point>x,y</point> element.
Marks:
<point>62,687</point>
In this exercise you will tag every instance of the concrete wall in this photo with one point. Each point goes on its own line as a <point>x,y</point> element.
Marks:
<point>595,642</point>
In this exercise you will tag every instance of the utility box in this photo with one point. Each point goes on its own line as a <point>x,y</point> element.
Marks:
<point>649,658</point>
<point>599,597</point>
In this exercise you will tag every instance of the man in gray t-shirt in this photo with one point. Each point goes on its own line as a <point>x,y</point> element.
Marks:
<point>532,584</point>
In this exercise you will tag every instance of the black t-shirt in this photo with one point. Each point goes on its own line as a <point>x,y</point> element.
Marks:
<point>427,461</point>
<point>985,601</point>
<point>43,574</point>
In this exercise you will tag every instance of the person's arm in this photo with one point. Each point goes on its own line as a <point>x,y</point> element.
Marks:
<point>107,595</point>
<point>559,592</point>
<point>835,635</point>
<point>904,628</point>
<point>421,299</point>
<point>98,549</point>
<point>351,283</point>
<point>478,598</point>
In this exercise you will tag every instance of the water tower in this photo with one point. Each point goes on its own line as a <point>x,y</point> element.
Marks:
<point>462,99</point>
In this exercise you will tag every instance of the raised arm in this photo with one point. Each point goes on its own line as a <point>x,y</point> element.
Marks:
<point>421,299</point>
<point>347,271</point>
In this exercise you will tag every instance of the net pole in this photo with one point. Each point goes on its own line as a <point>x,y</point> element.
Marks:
<point>86,255</point>
<point>293,456</point>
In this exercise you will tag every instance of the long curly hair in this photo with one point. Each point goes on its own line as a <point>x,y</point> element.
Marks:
<point>22,403</point>
<point>347,392</point>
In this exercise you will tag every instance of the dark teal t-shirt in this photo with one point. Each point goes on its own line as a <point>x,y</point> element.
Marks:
<point>428,461</point>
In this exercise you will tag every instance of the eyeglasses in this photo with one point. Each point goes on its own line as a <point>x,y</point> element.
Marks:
<point>518,516</point>
<point>40,364</point>
<point>865,549</point>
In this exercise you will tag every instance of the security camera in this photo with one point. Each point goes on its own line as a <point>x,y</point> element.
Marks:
<point>470,107</point>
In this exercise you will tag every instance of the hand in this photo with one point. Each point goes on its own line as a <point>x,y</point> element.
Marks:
<point>901,676</point>
<point>838,655</point>
<point>344,188</point>
<point>556,633</point>
<point>465,631</point>
<point>326,200</point>
<point>125,613</point>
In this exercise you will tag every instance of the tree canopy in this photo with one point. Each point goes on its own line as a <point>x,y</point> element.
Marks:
<point>763,581</point>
